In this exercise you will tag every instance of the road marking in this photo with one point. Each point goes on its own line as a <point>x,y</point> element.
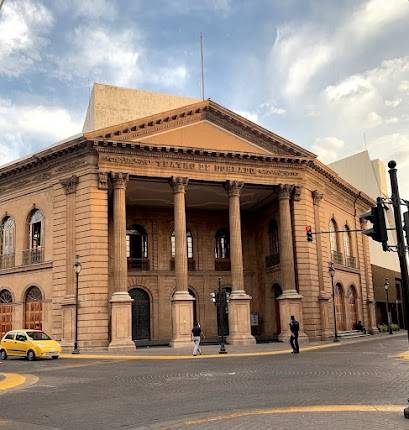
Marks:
<point>291,410</point>
<point>189,357</point>
<point>11,380</point>
<point>404,355</point>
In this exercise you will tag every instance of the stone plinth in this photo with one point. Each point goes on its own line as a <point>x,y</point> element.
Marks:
<point>68,322</point>
<point>121,322</point>
<point>325,312</point>
<point>182,319</point>
<point>290,304</point>
<point>239,319</point>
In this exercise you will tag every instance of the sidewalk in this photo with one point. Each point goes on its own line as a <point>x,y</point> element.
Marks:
<point>212,351</point>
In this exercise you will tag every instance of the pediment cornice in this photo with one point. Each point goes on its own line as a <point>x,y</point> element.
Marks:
<point>209,111</point>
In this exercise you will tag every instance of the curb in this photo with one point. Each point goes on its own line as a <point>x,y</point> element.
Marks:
<point>189,357</point>
<point>286,410</point>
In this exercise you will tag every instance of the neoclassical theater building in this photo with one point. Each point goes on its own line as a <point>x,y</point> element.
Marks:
<point>162,198</point>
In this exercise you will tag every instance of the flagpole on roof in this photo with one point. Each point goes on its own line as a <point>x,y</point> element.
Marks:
<point>202,64</point>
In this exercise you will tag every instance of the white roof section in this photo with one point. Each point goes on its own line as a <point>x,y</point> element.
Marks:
<point>110,105</point>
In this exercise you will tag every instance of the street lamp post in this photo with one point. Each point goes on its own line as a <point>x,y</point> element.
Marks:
<point>220,298</point>
<point>332,273</point>
<point>386,286</point>
<point>77,270</point>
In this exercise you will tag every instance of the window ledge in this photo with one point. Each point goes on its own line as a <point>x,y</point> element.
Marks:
<point>27,268</point>
<point>343,268</point>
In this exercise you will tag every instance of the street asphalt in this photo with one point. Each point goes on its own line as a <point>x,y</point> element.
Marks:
<point>335,388</point>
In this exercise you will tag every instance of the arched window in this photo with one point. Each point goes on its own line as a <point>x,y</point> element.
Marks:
<point>189,244</point>
<point>36,228</point>
<point>274,257</point>
<point>137,247</point>
<point>222,249</point>
<point>34,253</point>
<point>347,241</point>
<point>333,235</point>
<point>33,309</point>
<point>7,242</point>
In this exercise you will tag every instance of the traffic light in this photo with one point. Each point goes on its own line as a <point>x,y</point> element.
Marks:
<point>308,233</point>
<point>378,231</point>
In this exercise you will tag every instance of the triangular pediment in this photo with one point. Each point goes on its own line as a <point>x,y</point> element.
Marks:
<point>204,135</point>
<point>204,125</point>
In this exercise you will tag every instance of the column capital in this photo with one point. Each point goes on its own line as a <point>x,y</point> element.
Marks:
<point>102,180</point>
<point>284,191</point>
<point>297,193</point>
<point>317,197</point>
<point>119,179</point>
<point>70,184</point>
<point>179,184</point>
<point>233,188</point>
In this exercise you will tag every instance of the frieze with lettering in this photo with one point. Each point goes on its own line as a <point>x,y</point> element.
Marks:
<point>198,167</point>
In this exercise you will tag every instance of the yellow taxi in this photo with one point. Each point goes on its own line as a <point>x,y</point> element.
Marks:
<point>31,344</point>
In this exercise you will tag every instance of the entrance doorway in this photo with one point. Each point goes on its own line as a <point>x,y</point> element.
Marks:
<point>141,314</point>
<point>277,291</point>
<point>6,312</point>
<point>339,307</point>
<point>195,313</point>
<point>33,309</point>
<point>352,302</point>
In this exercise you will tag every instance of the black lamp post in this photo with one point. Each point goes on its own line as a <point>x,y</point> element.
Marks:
<point>77,270</point>
<point>386,286</point>
<point>332,273</point>
<point>220,298</point>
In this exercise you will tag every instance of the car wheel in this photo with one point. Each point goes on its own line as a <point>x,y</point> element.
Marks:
<point>55,357</point>
<point>31,356</point>
<point>3,355</point>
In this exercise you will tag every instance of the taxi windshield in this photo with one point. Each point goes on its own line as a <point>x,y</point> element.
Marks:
<point>38,335</point>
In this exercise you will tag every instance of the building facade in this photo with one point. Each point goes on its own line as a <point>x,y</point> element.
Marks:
<point>160,208</point>
<point>369,176</point>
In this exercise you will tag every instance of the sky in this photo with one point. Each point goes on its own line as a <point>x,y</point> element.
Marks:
<point>330,75</point>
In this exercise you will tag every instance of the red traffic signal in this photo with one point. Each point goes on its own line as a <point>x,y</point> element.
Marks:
<point>308,233</point>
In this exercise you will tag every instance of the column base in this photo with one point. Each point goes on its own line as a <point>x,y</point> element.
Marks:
<point>182,319</point>
<point>239,319</point>
<point>291,304</point>
<point>68,322</point>
<point>121,323</point>
<point>372,328</point>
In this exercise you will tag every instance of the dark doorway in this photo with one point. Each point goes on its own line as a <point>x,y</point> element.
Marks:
<point>141,314</point>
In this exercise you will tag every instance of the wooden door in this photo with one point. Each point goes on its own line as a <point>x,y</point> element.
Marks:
<point>339,307</point>
<point>6,312</point>
<point>33,309</point>
<point>352,307</point>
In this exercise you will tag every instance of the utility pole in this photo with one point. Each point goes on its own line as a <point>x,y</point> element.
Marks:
<point>1,3</point>
<point>396,203</point>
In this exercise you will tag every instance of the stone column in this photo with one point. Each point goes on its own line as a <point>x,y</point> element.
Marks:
<point>290,300</point>
<point>324,296</point>
<point>239,305</point>
<point>121,311</point>
<point>182,307</point>
<point>68,302</point>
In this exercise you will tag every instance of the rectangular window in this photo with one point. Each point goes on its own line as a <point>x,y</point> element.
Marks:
<point>10,336</point>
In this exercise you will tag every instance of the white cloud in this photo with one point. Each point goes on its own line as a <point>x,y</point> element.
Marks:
<point>23,26</point>
<point>268,109</point>
<point>393,103</point>
<point>169,77</point>
<point>374,119</point>
<point>252,116</point>
<point>32,123</point>
<point>302,50</point>
<point>93,9</point>
<point>404,87</point>
<point>328,148</point>
<point>97,54</point>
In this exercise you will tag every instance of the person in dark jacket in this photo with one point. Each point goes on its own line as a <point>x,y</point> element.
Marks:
<point>294,328</point>
<point>196,333</point>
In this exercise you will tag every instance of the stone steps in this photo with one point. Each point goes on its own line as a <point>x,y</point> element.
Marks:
<point>351,334</point>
